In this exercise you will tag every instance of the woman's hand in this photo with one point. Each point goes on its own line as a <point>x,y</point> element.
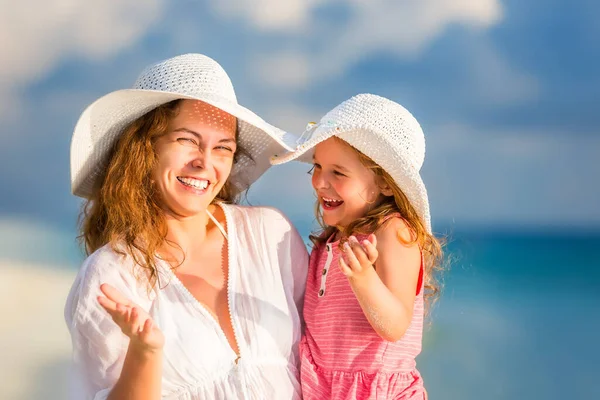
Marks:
<point>132,319</point>
<point>358,259</point>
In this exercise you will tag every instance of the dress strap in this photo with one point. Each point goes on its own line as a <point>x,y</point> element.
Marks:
<point>218,224</point>
<point>394,215</point>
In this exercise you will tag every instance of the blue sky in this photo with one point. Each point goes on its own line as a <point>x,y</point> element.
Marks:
<point>507,93</point>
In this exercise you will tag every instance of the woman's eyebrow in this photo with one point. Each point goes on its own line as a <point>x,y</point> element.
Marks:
<point>199,136</point>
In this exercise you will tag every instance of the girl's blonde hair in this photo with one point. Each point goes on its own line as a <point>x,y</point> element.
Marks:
<point>124,208</point>
<point>392,205</point>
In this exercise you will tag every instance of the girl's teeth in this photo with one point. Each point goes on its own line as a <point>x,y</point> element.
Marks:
<point>330,203</point>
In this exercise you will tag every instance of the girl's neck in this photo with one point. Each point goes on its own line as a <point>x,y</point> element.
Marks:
<point>337,234</point>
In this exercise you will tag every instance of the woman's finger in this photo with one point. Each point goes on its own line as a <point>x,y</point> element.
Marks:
<point>135,322</point>
<point>115,295</point>
<point>107,304</point>
<point>124,313</point>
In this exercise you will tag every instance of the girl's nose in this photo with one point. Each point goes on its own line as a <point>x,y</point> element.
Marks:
<point>319,182</point>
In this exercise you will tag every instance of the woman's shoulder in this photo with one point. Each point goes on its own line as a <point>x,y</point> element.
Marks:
<point>107,263</point>
<point>102,257</point>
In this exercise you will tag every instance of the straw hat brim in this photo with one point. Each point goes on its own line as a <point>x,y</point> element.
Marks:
<point>380,150</point>
<point>103,121</point>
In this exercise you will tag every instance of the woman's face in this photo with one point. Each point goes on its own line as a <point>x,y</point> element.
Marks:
<point>195,158</point>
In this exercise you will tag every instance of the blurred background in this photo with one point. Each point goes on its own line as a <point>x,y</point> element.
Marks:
<point>507,92</point>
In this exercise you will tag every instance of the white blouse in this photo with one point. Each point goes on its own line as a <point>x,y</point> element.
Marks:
<point>267,272</point>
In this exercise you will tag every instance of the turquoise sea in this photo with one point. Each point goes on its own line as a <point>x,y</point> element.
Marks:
<point>519,318</point>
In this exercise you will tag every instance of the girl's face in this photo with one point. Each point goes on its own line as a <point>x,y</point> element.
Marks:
<point>345,188</point>
<point>195,158</point>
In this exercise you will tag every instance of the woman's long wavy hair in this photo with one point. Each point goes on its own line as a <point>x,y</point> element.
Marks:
<point>124,209</point>
<point>390,205</point>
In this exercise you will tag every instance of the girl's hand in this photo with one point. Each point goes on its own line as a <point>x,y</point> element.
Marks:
<point>132,319</point>
<point>359,258</point>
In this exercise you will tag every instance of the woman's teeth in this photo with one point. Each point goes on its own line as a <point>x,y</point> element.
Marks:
<point>200,184</point>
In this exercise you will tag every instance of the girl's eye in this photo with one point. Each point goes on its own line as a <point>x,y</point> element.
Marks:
<point>338,173</point>
<point>312,169</point>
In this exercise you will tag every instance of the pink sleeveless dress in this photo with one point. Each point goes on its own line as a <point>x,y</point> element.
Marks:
<point>342,357</point>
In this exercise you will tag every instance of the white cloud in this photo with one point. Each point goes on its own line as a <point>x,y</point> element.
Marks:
<point>289,69</point>
<point>407,27</point>
<point>269,15</point>
<point>36,36</point>
<point>401,28</point>
<point>495,81</point>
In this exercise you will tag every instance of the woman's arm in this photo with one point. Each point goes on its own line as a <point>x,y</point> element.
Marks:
<point>106,361</point>
<point>142,369</point>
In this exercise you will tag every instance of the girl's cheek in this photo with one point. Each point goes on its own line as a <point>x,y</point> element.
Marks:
<point>313,180</point>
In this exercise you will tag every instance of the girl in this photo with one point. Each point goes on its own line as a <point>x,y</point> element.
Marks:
<point>364,319</point>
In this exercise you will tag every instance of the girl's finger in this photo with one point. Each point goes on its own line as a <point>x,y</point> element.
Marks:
<point>352,261</point>
<point>344,267</point>
<point>373,239</point>
<point>371,251</point>
<point>359,251</point>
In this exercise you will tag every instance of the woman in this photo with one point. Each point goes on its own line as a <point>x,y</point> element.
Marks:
<point>184,295</point>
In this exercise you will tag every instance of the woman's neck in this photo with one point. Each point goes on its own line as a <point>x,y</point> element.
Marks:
<point>190,232</point>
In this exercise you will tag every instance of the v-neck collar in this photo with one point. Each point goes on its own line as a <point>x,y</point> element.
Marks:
<point>230,284</point>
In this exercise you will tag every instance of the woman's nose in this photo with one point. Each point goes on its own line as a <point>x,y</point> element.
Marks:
<point>202,159</point>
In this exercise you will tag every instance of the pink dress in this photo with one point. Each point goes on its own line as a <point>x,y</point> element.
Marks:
<point>342,357</point>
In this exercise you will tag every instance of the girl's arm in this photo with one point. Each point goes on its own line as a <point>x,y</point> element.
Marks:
<point>386,293</point>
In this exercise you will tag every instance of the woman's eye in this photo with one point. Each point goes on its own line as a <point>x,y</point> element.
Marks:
<point>225,148</point>
<point>187,141</point>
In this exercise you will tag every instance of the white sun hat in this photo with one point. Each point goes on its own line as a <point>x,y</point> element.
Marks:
<point>382,130</point>
<point>189,76</point>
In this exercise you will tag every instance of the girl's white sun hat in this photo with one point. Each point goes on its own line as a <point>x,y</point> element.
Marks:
<point>382,130</point>
<point>189,76</point>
